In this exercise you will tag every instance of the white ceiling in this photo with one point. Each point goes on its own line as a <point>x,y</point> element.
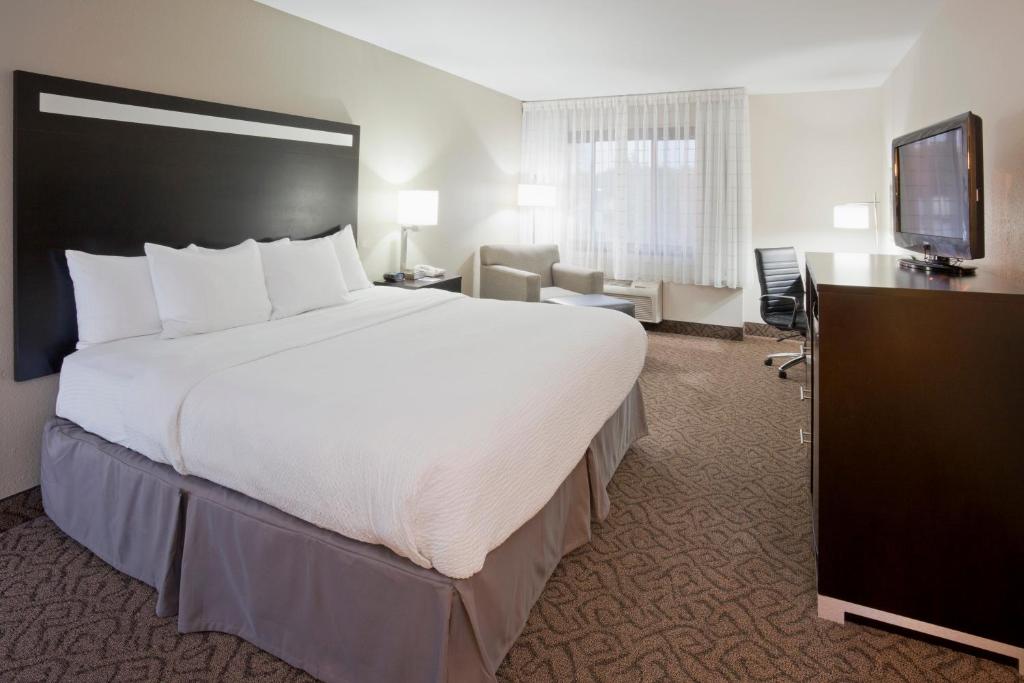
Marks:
<point>548,49</point>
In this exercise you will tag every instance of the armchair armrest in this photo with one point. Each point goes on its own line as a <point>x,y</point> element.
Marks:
<point>796,304</point>
<point>510,284</point>
<point>582,280</point>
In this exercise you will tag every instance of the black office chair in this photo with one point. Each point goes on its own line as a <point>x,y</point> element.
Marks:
<point>782,300</point>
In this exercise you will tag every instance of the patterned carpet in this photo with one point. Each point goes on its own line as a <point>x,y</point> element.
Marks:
<point>17,510</point>
<point>703,570</point>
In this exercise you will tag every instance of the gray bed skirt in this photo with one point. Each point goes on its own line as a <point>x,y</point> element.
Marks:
<point>340,609</point>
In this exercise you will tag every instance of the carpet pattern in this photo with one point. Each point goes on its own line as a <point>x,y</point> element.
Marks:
<point>703,570</point>
<point>20,508</point>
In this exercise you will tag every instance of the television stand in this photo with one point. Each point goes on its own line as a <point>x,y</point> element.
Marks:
<point>916,493</point>
<point>937,264</point>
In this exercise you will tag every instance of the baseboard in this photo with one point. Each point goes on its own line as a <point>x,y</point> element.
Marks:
<point>20,508</point>
<point>760,330</point>
<point>835,610</point>
<point>697,329</point>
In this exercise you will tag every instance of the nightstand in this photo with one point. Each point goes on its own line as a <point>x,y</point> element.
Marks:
<point>449,282</point>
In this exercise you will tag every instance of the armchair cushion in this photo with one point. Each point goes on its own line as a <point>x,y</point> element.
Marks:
<point>579,280</point>
<point>533,258</point>
<point>510,284</point>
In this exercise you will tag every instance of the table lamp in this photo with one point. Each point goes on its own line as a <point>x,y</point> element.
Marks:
<point>416,209</point>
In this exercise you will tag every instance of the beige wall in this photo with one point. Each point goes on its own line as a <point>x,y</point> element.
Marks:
<point>970,58</point>
<point>809,152</point>
<point>421,128</point>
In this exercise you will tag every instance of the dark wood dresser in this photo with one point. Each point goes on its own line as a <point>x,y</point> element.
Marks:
<point>917,438</point>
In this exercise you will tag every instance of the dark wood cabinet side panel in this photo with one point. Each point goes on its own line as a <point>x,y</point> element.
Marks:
<point>921,465</point>
<point>813,382</point>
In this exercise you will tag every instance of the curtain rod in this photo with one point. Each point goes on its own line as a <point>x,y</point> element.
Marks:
<point>635,94</point>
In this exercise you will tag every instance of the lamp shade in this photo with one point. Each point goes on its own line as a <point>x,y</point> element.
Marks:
<point>536,195</point>
<point>417,207</point>
<point>852,216</point>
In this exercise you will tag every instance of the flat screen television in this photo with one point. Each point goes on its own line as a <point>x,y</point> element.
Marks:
<point>938,207</point>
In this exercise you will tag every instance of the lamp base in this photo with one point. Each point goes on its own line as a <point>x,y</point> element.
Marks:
<point>405,243</point>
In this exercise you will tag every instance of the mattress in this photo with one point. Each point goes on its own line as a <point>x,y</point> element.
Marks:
<point>428,422</point>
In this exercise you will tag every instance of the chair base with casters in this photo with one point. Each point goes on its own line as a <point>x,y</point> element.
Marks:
<point>794,357</point>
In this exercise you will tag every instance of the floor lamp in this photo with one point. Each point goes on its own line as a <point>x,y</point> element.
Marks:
<point>535,197</point>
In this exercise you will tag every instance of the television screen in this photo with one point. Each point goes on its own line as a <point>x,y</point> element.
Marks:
<point>933,186</point>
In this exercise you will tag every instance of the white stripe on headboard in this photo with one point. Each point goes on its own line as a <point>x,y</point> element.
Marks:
<point>128,113</point>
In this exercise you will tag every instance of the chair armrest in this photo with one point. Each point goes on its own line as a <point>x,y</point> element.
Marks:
<point>510,284</point>
<point>582,280</point>
<point>796,304</point>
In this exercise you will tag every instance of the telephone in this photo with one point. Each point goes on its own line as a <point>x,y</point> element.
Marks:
<point>428,271</point>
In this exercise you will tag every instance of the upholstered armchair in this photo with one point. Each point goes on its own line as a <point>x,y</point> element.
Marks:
<point>532,272</point>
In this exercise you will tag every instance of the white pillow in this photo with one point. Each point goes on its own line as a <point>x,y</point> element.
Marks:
<point>261,245</point>
<point>113,297</point>
<point>348,256</point>
<point>302,276</point>
<point>201,291</point>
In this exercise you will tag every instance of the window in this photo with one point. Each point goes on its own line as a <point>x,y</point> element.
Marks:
<point>650,187</point>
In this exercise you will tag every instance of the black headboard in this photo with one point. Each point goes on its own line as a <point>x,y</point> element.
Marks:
<point>89,175</point>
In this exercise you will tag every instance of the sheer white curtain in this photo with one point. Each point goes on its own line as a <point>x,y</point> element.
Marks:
<point>649,187</point>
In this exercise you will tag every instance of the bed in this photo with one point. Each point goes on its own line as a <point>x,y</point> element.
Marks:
<point>314,562</point>
<point>377,490</point>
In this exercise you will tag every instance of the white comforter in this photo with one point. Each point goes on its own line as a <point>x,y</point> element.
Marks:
<point>429,422</point>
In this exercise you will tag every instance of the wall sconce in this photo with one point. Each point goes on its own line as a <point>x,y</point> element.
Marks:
<point>852,216</point>
<point>857,216</point>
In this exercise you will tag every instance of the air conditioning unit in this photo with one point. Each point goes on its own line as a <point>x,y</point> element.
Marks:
<point>646,297</point>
